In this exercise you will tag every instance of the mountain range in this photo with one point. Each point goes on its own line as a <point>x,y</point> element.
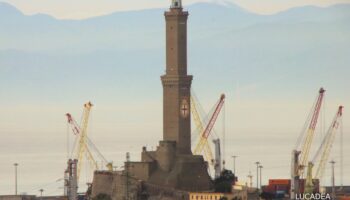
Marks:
<point>304,47</point>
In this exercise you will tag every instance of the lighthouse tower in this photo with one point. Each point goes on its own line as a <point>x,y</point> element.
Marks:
<point>176,82</point>
<point>172,164</point>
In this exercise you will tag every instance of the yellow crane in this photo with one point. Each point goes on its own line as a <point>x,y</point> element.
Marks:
<point>200,129</point>
<point>203,147</point>
<point>85,147</point>
<point>82,147</point>
<point>323,152</point>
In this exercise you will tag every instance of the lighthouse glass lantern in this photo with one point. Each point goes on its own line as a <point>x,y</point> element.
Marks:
<point>176,4</point>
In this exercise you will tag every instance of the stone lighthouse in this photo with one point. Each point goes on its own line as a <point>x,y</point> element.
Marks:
<point>172,165</point>
<point>176,82</point>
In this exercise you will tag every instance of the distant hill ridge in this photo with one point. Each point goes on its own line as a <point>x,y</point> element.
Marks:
<point>304,45</point>
<point>8,9</point>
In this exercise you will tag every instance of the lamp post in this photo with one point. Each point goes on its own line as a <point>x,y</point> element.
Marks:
<point>234,164</point>
<point>41,193</point>
<point>257,179</point>
<point>15,164</point>
<point>333,181</point>
<point>257,174</point>
<point>260,167</point>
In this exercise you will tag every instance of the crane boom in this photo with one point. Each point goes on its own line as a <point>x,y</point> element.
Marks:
<point>323,153</point>
<point>207,151</point>
<point>73,123</point>
<point>305,151</point>
<point>209,127</point>
<point>76,130</point>
<point>83,133</point>
<point>327,143</point>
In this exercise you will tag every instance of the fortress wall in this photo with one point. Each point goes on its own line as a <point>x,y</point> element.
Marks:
<point>115,184</point>
<point>102,183</point>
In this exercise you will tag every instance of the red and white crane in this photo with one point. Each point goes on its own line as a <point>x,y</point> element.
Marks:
<point>300,154</point>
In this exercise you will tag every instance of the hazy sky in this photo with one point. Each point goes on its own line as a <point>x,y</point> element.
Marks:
<point>86,8</point>
<point>264,113</point>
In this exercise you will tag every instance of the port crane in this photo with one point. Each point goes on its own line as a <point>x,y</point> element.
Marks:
<point>323,152</point>
<point>204,132</point>
<point>300,154</point>
<point>83,146</point>
<point>207,152</point>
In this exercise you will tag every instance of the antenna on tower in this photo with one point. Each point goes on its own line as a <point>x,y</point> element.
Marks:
<point>176,4</point>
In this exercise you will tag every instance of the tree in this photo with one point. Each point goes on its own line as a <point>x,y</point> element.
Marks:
<point>224,182</point>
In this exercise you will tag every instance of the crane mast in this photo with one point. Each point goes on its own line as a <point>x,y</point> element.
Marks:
<point>217,163</point>
<point>309,184</point>
<point>300,156</point>
<point>71,180</point>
